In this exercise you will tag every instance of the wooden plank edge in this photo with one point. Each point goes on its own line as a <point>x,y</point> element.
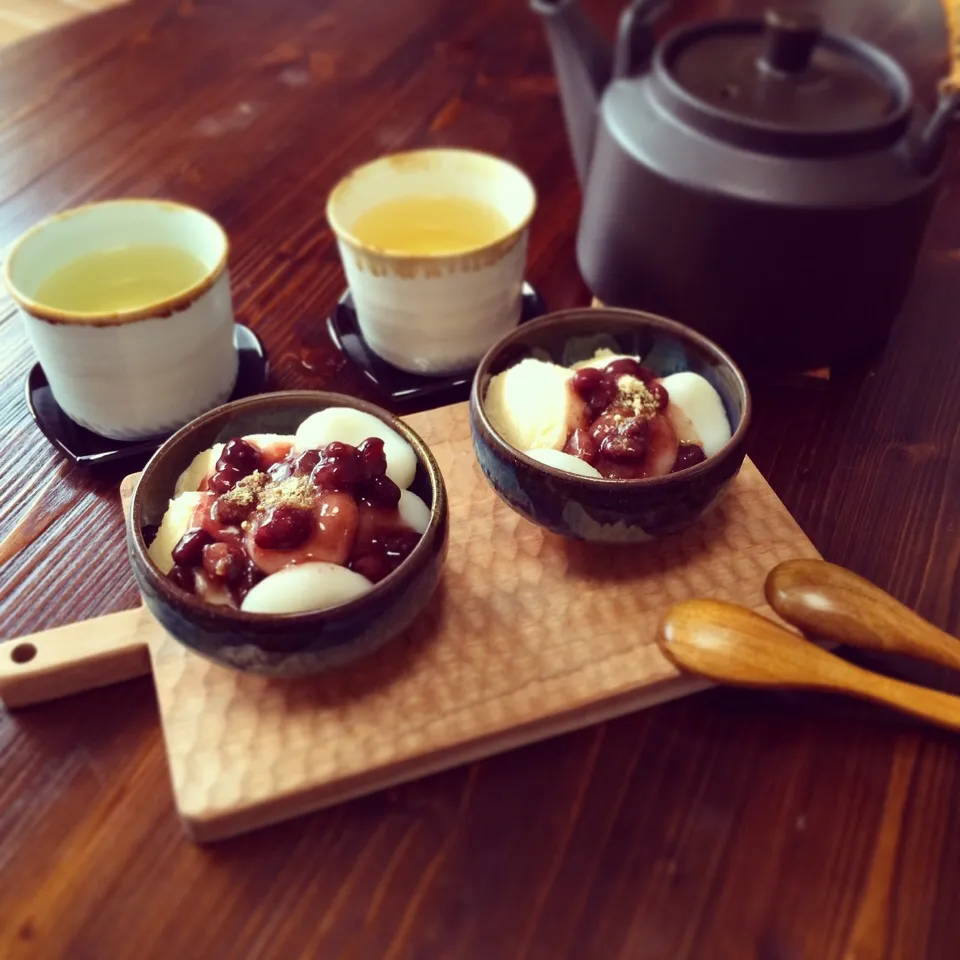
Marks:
<point>211,826</point>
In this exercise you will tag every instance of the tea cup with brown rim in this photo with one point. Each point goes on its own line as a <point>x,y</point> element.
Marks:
<point>149,367</point>
<point>435,312</point>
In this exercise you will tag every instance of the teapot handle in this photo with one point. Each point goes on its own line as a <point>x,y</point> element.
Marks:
<point>635,39</point>
<point>930,146</point>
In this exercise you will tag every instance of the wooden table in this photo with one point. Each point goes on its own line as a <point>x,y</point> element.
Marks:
<point>727,825</point>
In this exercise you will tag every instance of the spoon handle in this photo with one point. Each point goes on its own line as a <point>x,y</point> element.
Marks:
<point>730,644</point>
<point>938,708</point>
<point>830,601</point>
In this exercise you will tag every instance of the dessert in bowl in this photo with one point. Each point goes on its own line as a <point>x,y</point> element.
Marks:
<point>290,532</point>
<point>609,425</point>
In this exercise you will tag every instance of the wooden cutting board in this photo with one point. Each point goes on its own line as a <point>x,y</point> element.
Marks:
<point>529,636</point>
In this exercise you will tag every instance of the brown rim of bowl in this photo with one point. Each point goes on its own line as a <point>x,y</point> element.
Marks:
<point>678,330</point>
<point>343,234</point>
<point>420,448</point>
<point>161,308</point>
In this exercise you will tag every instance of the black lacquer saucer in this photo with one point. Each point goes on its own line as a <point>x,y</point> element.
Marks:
<point>80,445</point>
<point>400,388</point>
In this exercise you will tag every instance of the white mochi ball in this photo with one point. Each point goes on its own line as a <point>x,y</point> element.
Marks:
<point>413,511</point>
<point>695,403</point>
<point>353,427</point>
<point>564,461</point>
<point>305,587</point>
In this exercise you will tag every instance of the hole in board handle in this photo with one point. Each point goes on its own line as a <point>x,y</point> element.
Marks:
<point>23,653</point>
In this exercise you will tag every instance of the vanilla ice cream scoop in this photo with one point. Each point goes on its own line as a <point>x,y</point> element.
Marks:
<point>305,587</point>
<point>532,406</point>
<point>346,425</point>
<point>696,411</point>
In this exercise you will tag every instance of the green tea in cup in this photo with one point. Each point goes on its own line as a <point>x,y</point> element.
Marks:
<point>430,225</point>
<point>123,278</point>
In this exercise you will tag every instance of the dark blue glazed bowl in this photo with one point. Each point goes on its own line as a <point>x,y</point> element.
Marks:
<point>587,508</point>
<point>289,644</point>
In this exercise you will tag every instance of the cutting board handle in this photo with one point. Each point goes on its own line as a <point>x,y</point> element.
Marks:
<point>74,658</point>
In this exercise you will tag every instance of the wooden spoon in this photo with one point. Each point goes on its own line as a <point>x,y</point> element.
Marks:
<point>830,601</point>
<point>730,644</point>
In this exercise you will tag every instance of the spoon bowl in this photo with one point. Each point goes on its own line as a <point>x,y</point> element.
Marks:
<point>826,600</point>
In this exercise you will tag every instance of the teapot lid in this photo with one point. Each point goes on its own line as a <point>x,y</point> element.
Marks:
<point>784,83</point>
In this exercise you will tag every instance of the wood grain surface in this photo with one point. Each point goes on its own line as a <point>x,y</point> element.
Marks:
<point>23,18</point>
<point>529,636</point>
<point>726,825</point>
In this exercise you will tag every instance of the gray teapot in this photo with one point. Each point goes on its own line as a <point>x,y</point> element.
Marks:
<point>764,181</point>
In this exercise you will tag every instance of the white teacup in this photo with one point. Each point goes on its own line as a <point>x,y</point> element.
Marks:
<point>435,313</point>
<point>138,372</point>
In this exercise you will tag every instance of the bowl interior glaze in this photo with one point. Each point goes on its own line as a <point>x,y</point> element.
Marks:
<point>663,345</point>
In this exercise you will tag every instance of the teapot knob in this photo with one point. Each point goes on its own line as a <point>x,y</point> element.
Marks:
<point>791,36</point>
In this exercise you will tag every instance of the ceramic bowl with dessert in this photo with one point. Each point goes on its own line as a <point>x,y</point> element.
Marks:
<point>289,532</point>
<point>609,425</point>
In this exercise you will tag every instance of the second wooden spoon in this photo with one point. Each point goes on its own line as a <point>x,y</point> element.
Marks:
<point>730,644</point>
<point>830,601</point>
